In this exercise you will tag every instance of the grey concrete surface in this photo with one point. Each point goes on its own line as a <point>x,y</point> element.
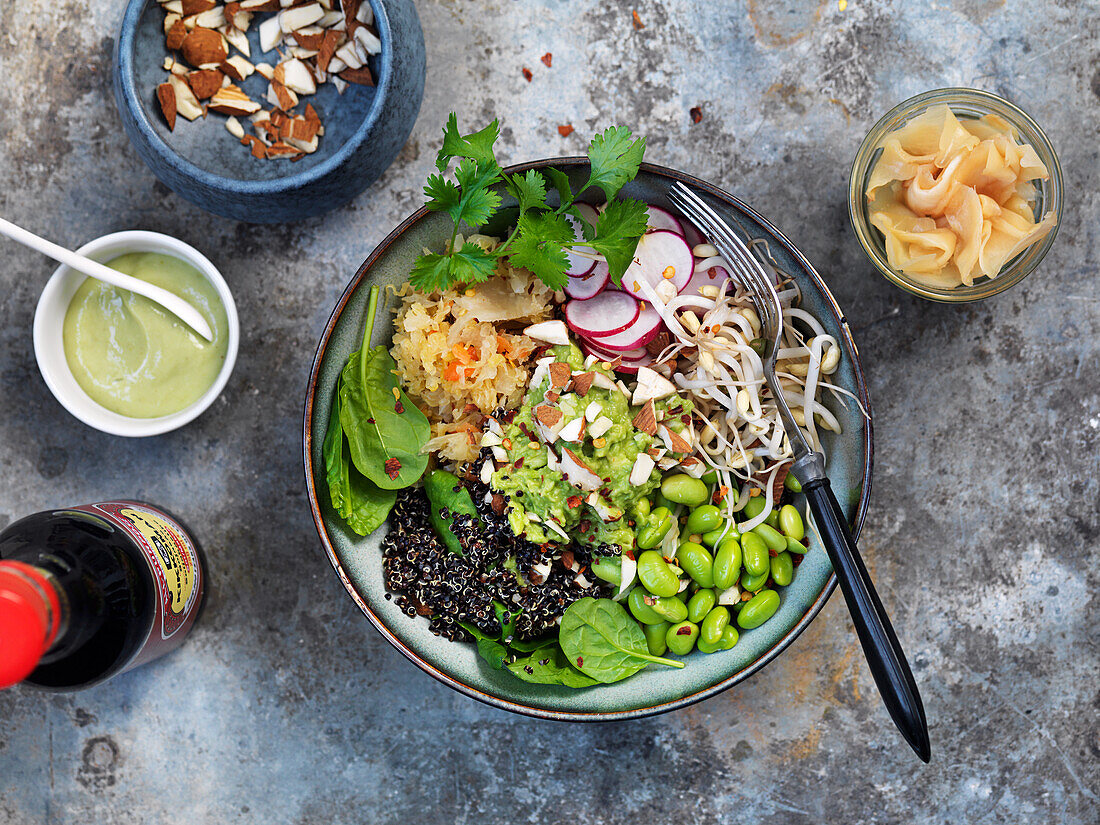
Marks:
<point>287,707</point>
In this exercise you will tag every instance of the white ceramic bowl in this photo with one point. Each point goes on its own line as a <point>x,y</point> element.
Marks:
<point>50,352</point>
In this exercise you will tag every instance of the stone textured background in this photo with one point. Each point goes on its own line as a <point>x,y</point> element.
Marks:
<point>287,707</point>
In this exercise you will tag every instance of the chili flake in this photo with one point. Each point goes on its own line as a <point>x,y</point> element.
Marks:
<point>392,468</point>
<point>547,58</point>
<point>638,24</point>
<point>565,130</point>
<point>527,74</point>
<point>696,114</point>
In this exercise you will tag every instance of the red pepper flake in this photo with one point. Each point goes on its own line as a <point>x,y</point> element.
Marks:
<point>580,661</point>
<point>574,501</point>
<point>398,407</point>
<point>629,554</point>
<point>527,74</point>
<point>684,631</point>
<point>565,130</point>
<point>696,114</point>
<point>519,462</point>
<point>720,494</point>
<point>547,58</point>
<point>392,468</point>
<point>638,24</point>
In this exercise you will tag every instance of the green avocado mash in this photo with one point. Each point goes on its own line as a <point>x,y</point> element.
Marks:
<point>536,485</point>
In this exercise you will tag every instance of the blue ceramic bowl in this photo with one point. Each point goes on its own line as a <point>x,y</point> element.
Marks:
<point>365,127</point>
<point>358,560</point>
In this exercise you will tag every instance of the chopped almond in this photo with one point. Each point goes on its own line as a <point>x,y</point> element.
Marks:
<point>281,96</point>
<point>310,37</point>
<point>166,96</point>
<point>202,46</point>
<point>186,103</point>
<point>237,68</point>
<point>232,100</point>
<point>175,36</point>
<point>205,83</point>
<point>329,44</point>
<point>560,373</point>
<point>197,6</point>
<point>548,416</point>
<point>583,383</point>
<point>234,126</point>
<point>646,419</point>
<point>361,76</point>
<point>258,148</point>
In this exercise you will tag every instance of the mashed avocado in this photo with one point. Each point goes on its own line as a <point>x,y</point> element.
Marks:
<point>564,483</point>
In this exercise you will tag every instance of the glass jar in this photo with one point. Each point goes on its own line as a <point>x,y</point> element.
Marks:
<point>964,103</point>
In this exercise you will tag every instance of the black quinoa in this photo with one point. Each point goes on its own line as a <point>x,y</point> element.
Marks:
<point>429,580</point>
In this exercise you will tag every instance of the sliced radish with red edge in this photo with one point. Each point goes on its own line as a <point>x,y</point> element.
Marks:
<point>638,333</point>
<point>605,315</point>
<point>661,256</point>
<point>583,287</point>
<point>662,219</point>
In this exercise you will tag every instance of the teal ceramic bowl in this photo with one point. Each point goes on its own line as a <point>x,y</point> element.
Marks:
<point>358,561</point>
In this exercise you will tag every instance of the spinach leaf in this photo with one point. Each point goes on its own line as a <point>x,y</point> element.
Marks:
<point>548,665</point>
<point>530,645</point>
<point>385,430</point>
<point>492,652</point>
<point>601,640</point>
<point>362,504</point>
<point>445,490</point>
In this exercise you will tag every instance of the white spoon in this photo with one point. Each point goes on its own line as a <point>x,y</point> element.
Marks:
<point>93,269</point>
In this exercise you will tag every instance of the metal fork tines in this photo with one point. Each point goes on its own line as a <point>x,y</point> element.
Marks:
<point>748,271</point>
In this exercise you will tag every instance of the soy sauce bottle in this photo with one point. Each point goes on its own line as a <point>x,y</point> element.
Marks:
<point>92,591</point>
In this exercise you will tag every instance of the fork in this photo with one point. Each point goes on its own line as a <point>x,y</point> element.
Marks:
<point>880,644</point>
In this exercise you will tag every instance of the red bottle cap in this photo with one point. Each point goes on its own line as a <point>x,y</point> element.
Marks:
<point>30,616</point>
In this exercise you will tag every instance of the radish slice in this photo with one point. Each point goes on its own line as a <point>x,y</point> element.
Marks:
<point>692,235</point>
<point>578,265</point>
<point>607,314</point>
<point>661,256</point>
<point>638,333</point>
<point>588,212</point>
<point>593,345</point>
<point>587,286</point>
<point>663,219</point>
<point>711,276</point>
<point>632,365</point>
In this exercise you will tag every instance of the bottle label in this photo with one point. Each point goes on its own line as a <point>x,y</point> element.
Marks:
<point>174,563</point>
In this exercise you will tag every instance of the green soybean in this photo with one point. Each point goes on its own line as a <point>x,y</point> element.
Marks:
<point>710,478</point>
<point>683,489</point>
<point>641,611</point>
<point>701,604</point>
<point>704,518</point>
<point>657,575</point>
<point>790,522</point>
<point>754,553</point>
<point>727,563</point>
<point>703,647</point>
<point>656,526</point>
<point>681,637</point>
<point>772,537</point>
<point>753,583</point>
<point>716,621</point>
<point>642,508</point>
<point>608,568</point>
<point>782,569</point>
<point>758,609</point>
<point>697,562</point>
<point>796,547</point>
<point>792,483</point>
<point>729,637</point>
<point>659,500</point>
<point>772,519</point>
<point>670,608</point>
<point>713,537</point>
<point>655,638</point>
<point>755,507</point>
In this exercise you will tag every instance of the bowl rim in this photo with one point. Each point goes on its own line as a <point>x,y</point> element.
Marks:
<point>124,72</point>
<point>77,402</point>
<point>1014,272</point>
<point>585,716</point>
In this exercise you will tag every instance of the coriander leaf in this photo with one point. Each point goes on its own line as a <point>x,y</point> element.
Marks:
<point>477,146</point>
<point>603,641</point>
<point>588,231</point>
<point>477,202</point>
<point>528,189</point>
<point>539,245</point>
<point>430,272</point>
<point>615,160</point>
<point>471,264</point>
<point>618,229</point>
<point>560,181</point>
<point>442,194</point>
<point>548,666</point>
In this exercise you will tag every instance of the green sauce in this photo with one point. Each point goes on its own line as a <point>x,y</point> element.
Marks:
<point>135,358</point>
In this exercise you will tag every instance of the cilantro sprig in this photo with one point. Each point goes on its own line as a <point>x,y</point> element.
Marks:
<point>542,233</point>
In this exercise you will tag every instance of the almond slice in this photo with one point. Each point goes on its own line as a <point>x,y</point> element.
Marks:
<point>329,43</point>
<point>237,67</point>
<point>234,126</point>
<point>166,96</point>
<point>560,372</point>
<point>279,95</point>
<point>176,35</point>
<point>296,77</point>
<point>364,37</point>
<point>298,17</point>
<point>646,419</point>
<point>237,39</point>
<point>349,56</point>
<point>582,383</point>
<point>186,103</point>
<point>310,37</point>
<point>232,100</point>
<point>271,34</point>
<point>197,6</point>
<point>266,70</point>
<point>170,20</point>
<point>205,83</point>
<point>212,19</point>
<point>259,150</point>
<point>307,147</point>
<point>203,45</point>
<point>260,5</point>
<point>548,415</point>
<point>361,76</point>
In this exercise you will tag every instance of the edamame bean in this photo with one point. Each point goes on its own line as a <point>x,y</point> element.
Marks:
<point>754,553</point>
<point>670,608</point>
<point>772,519</point>
<point>683,489</point>
<point>697,562</point>
<point>641,611</point>
<point>656,526</point>
<point>782,569</point>
<point>772,537</point>
<point>790,522</point>
<point>729,637</point>
<point>796,547</point>
<point>659,500</point>
<point>608,568</point>
<point>700,605</point>
<point>681,637</point>
<point>755,507</point>
<point>642,508</point>
<point>753,583</point>
<point>792,483</point>
<point>656,574</point>
<point>703,647</point>
<point>716,621</point>
<point>720,532</point>
<point>710,478</point>
<point>704,518</point>
<point>727,563</point>
<point>655,638</point>
<point>758,609</point>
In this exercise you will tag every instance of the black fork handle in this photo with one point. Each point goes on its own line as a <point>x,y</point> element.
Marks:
<point>880,644</point>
